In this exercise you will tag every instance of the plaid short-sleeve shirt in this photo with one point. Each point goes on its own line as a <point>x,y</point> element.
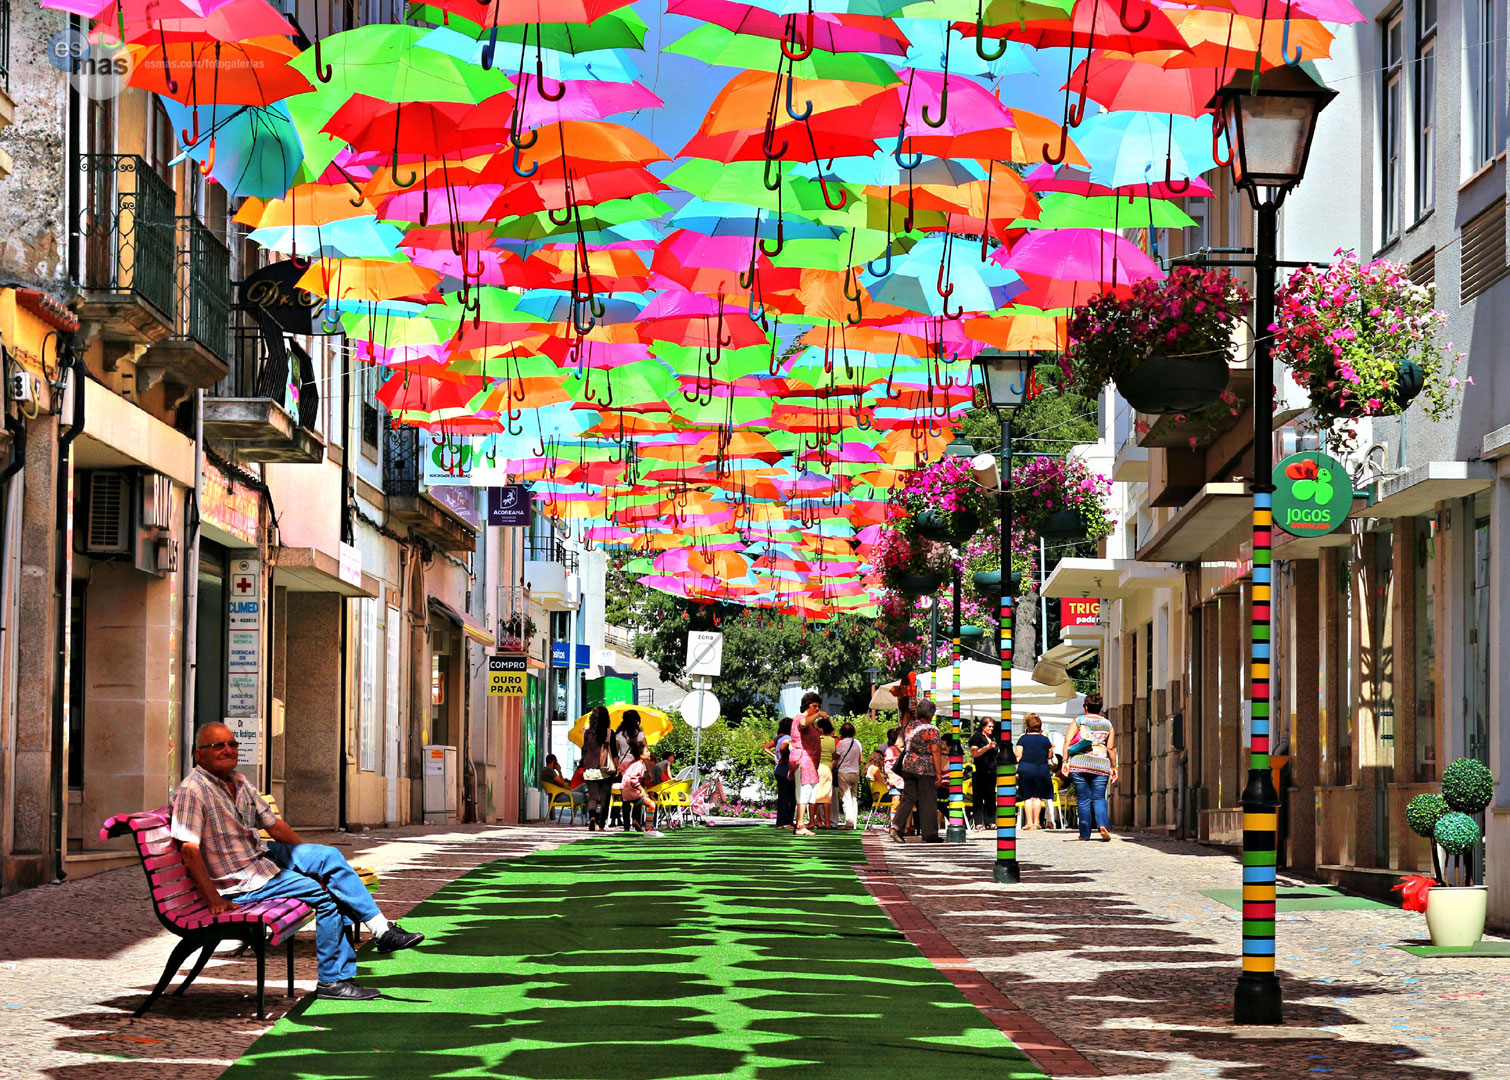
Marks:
<point>225,828</point>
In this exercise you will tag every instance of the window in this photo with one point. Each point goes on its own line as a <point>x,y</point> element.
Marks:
<point>372,416</point>
<point>1390,126</point>
<point>1484,39</point>
<point>1426,105</point>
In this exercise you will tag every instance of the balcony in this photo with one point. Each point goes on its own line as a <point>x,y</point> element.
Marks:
<point>127,229</point>
<point>197,354</point>
<point>550,574</point>
<point>409,503</point>
<point>268,407</point>
<point>515,627</point>
<point>7,107</point>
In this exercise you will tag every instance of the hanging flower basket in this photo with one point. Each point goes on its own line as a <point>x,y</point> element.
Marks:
<point>1339,398</point>
<point>1062,525</point>
<point>1363,341</point>
<point>919,584</point>
<point>1174,384</point>
<point>947,527</point>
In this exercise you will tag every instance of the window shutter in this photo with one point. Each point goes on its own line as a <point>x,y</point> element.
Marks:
<point>1483,253</point>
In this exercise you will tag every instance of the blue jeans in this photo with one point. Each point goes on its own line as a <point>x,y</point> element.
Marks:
<point>1090,801</point>
<point>342,896</point>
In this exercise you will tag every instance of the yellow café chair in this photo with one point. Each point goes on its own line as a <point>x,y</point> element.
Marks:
<point>561,799</point>
<point>673,798</point>
<point>881,801</point>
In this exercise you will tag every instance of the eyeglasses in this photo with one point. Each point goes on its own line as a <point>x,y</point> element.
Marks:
<point>229,743</point>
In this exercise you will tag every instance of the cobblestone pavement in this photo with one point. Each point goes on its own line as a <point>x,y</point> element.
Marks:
<point>76,958</point>
<point>1114,949</point>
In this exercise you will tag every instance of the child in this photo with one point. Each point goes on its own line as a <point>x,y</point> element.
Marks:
<point>632,792</point>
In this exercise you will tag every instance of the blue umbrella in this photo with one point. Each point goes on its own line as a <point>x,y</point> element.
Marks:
<point>1132,147</point>
<point>256,150</point>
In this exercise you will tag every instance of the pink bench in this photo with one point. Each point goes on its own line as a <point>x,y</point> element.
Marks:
<point>182,910</point>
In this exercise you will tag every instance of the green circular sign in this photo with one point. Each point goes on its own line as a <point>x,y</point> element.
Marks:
<point>1313,494</point>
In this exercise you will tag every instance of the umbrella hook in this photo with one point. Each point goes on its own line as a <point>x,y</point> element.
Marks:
<point>183,133</point>
<point>1284,45</point>
<point>848,295</point>
<point>209,162</point>
<point>771,178</point>
<point>791,81</point>
<point>1169,182</point>
<point>859,315</point>
<point>1064,144</point>
<point>540,76</point>
<point>792,44</point>
<point>770,152</point>
<point>912,161</point>
<point>566,214</point>
<point>1076,113</point>
<point>520,172</point>
<point>577,316</point>
<point>162,43</point>
<point>323,72</point>
<point>1131,29</point>
<point>870,266</point>
<point>413,175</point>
<point>943,91</point>
<point>822,183</point>
<point>774,364</point>
<point>1216,138</point>
<point>780,240</point>
<point>510,416</point>
<point>980,36</point>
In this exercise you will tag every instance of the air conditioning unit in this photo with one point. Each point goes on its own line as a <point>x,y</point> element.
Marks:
<point>107,522</point>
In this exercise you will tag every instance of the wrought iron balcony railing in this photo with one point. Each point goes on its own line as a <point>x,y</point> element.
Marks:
<point>403,467</point>
<point>5,45</point>
<point>263,366</point>
<point>204,287</point>
<point>127,226</point>
<point>550,549</point>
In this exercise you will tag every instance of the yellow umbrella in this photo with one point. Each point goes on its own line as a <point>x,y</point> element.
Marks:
<point>655,724</point>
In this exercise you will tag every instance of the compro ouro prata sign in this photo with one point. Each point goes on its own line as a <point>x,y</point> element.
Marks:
<point>1313,494</point>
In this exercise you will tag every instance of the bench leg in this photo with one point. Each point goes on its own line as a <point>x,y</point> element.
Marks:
<point>260,946</point>
<point>204,958</point>
<point>180,953</point>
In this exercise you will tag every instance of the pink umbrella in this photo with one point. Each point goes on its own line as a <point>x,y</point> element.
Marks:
<point>829,32</point>
<point>461,204</point>
<point>1090,256</point>
<point>970,106</point>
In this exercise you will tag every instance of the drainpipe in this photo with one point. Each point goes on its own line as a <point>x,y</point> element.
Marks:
<point>191,591</point>
<point>348,536</point>
<point>63,588</point>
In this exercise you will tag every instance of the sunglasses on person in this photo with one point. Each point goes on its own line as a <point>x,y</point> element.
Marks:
<point>218,746</point>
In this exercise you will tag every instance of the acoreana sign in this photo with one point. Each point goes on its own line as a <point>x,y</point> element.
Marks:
<point>1313,494</point>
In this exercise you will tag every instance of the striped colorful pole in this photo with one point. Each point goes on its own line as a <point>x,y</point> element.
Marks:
<point>1258,999</point>
<point>955,833</point>
<point>1006,871</point>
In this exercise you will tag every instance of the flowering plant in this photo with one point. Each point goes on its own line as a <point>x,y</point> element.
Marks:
<point>1050,484</point>
<point>947,486</point>
<point>899,554</point>
<point>1190,312</point>
<point>1347,332</point>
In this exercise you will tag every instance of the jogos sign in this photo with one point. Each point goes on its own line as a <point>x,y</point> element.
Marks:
<point>1313,494</point>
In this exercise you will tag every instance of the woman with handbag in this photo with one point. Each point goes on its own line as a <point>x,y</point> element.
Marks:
<point>597,768</point>
<point>780,749</point>
<point>1091,764</point>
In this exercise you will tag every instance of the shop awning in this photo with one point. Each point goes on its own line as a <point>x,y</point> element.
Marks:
<point>468,627</point>
<point>1201,523</point>
<point>1109,579</point>
<point>308,569</point>
<point>1418,491</point>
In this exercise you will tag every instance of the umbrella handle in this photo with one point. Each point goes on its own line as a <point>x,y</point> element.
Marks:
<point>564,219</point>
<point>413,175</point>
<point>183,133</point>
<point>771,178</point>
<point>774,364</point>
<point>1216,139</point>
<point>1169,182</point>
<point>490,50</point>
<point>859,315</point>
<point>1147,18</point>
<point>520,172</point>
<point>780,241</point>
<point>980,37</point>
<point>791,43</point>
<point>943,91</point>
<point>1284,45</point>
<point>755,316</point>
<point>870,266</point>
<point>913,160</point>
<point>769,151</point>
<point>517,138</point>
<point>209,161</point>
<point>540,81</point>
<point>162,43</point>
<point>323,72</point>
<point>584,330</point>
<point>1064,147</point>
<point>793,113</point>
<point>822,183</point>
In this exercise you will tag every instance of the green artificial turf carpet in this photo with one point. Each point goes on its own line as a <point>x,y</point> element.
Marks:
<point>1300,898</point>
<point>1483,948</point>
<point>736,952</point>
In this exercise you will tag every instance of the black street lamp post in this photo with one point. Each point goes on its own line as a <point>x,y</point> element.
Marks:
<point>1270,123</point>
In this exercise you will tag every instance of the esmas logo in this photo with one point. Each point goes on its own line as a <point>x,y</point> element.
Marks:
<point>98,66</point>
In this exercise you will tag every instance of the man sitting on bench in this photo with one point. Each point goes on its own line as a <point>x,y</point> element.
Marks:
<point>216,815</point>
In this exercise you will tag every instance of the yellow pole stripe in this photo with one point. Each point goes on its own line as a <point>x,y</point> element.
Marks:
<point>1260,671</point>
<point>1259,963</point>
<point>1259,894</point>
<point>1260,822</point>
<point>1263,517</point>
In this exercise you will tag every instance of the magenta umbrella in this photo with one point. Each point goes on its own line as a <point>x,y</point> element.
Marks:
<point>584,99</point>
<point>691,249</point>
<point>460,204</point>
<point>969,106</point>
<point>1067,178</point>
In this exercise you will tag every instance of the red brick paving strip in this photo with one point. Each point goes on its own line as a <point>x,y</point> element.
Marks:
<point>1049,1052</point>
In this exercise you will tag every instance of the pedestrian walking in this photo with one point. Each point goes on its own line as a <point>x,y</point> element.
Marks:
<point>921,764</point>
<point>629,747</point>
<point>983,783</point>
<point>215,819</point>
<point>807,748</point>
<point>780,749</point>
<point>598,768</point>
<point>1091,764</point>
<point>634,796</point>
<point>823,794</point>
<point>1035,778</point>
<point>847,754</point>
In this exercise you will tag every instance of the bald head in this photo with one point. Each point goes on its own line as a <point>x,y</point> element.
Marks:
<point>215,749</point>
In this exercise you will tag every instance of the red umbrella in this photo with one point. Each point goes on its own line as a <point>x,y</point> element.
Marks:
<point>1093,24</point>
<point>1046,178</point>
<point>1139,87</point>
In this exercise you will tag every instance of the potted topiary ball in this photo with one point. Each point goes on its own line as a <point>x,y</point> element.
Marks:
<point>1456,908</point>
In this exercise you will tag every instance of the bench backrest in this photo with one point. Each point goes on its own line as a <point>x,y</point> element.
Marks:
<point>175,899</point>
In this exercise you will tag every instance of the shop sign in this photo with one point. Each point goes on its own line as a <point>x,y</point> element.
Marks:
<point>1074,611</point>
<point>248,732</point>
<point>273,291</point>
<point>509,506</point>
<point>232,508</point>
<point>506,676</point>
<point>461,501</point>
<point>1313,494</point>
<point>349,565</point>
<point>561,655</point>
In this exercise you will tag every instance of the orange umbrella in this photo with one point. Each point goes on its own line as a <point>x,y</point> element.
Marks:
<point>307,204</point>
<point>367,279</point>
<point>250,72</point>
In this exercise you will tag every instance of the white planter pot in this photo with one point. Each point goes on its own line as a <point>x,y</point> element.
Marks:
<point>1455,915</point>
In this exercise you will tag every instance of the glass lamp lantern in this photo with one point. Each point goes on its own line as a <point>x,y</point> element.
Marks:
<point>1005,376</point>
<point>1270,132</point>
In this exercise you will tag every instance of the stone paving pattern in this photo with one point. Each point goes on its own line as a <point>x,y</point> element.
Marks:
<point>1105,950</point>
<point>1112,948</point>
<point>77,958</point>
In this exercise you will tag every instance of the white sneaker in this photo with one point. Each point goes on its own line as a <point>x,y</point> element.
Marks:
<point>655,832</point>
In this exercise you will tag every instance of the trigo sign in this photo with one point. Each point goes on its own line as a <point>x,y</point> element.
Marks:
<point>1313,494</point>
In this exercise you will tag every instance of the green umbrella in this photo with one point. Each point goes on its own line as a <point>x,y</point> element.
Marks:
<point>1063,210</point>
<point>621,29</point>
<point>714,44</point>
<point>632,384</point>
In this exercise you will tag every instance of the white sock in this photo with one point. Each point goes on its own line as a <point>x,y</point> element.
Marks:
<point>378,925</point>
